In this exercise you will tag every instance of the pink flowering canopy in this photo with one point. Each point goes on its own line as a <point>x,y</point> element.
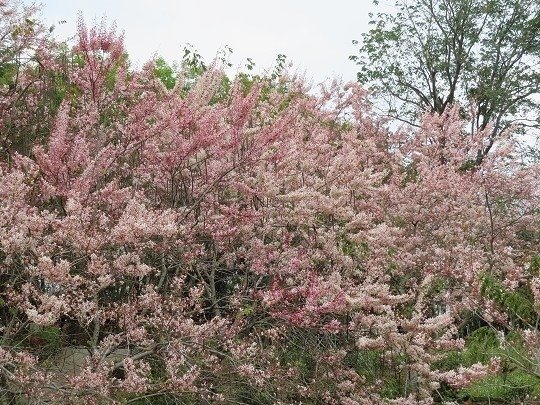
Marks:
<point>259,245</point>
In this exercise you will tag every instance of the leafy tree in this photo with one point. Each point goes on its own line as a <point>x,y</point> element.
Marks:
<point>430,54</point>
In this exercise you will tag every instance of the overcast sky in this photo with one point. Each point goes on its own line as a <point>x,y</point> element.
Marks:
<point>314,34</point>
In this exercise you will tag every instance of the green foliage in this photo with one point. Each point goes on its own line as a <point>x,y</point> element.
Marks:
<point>50,338</point>
<point>159,398</point>
<point>348,247</point>
<point>192,67</point>
<point>165,73</point>
<point>481,346</point>
<point>507,387</point>
<point>468,165</point>
<point>247,394</point>
<point>279,67</point>
<point>513,382</point>
<point>364,362</point>
<point>518,304</point>
<point>534,267</point>
<point>392,387</point>
<point>411,174</point>
<point>7,74</point>
<point>300,359</point>
<point>24,29</point>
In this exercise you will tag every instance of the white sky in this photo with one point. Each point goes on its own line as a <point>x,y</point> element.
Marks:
<point>315,35</point>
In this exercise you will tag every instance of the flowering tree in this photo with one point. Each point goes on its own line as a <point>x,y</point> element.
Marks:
<point>30,88</point>
<point>260,246</point>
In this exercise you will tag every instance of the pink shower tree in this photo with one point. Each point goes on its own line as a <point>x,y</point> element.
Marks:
<point>252,246</point>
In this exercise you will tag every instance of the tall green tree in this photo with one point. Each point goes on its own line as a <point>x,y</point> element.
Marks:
<point>430,54</point>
